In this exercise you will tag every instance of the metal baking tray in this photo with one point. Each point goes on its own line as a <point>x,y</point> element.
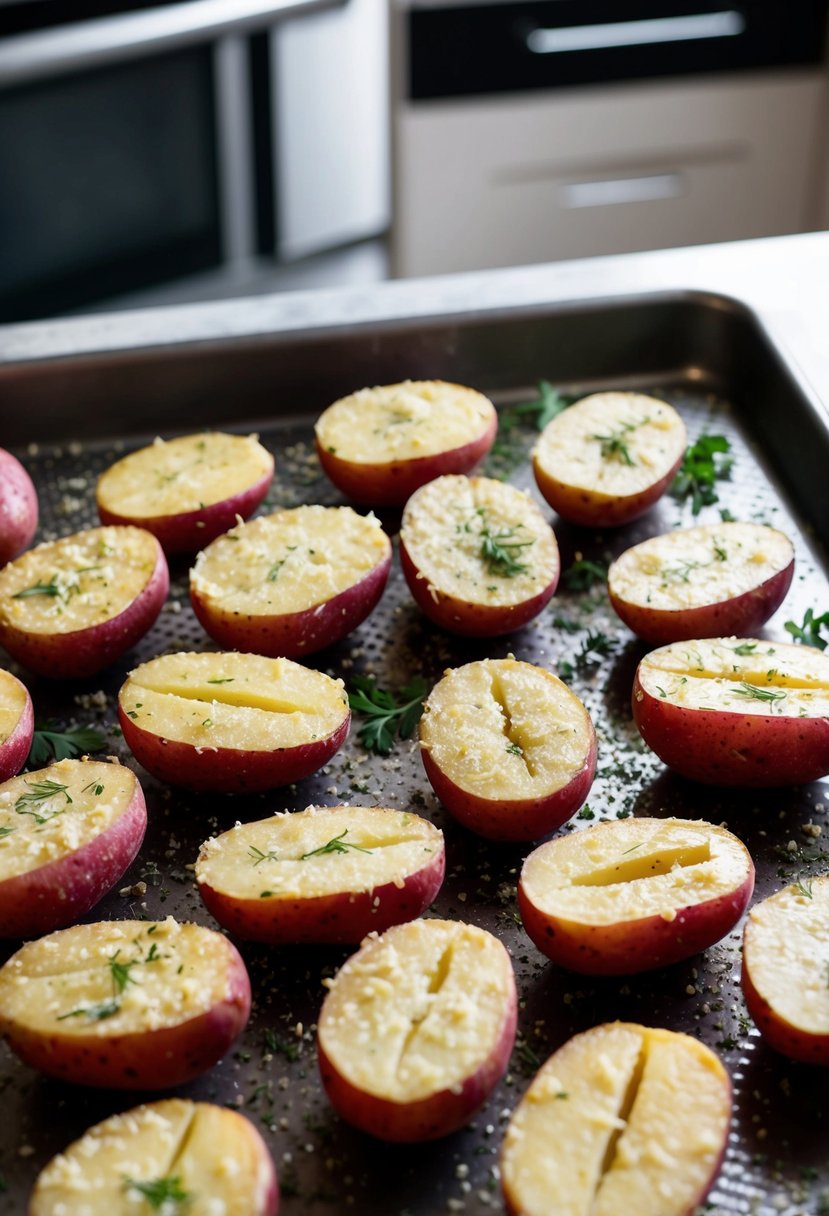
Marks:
<point>711,358</point>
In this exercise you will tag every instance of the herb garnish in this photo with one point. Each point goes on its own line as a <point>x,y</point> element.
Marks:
<point>120,972</point>
<point>223,680</point>
<point>704,463</point>
<point>95,1013</point>
<point>804,887</point>
<point>51,588</point>
<point>613,446</point>
<point>160,1191</point>
<point>41,791</point>
<point>515,749</point>
<point>745,648</point>
<point>6,831</point>
<point>584,574</point>
<point>258,856</point>
<point>96,788</point>
<point>500,550</point>
<point>752,692</point>
<point>62,745</point>
<point>386,717</point>
<point>808,634</point>
<point>546,406</point>
<point>337,844</point>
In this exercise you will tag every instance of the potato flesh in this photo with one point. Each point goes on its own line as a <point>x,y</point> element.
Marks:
<point>446,524</point>
<point>597,1133</point>
<point>418,1010</point>
<point>95,574</point>
<point>786,954</point>
<point>290,561</point>
<point>181,475</point>
<point>505,729</point>
<point>651,432</point>
<point>634,869</point>
<point>403,421</point>
<point>699,566</point>
<point>213,1153</point>
<point>46,983</point>
<point>38,831</point>
<point>241,701</point>
<point>12,704</point>
<point>768,679</point>
<point>239,863</point>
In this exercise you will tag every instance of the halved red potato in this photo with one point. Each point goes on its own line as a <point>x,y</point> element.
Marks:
<point>785,965</point>
<point>172,1156</point>
<point>622,1119</point>
<point>187,490</point>
<point>608,458</point>
<point>736,711</point>
<point>634,894</point>
<point>381,444</point>
<point>67,834</point>
<point>721,579</point>
<point>325,874</point>
<point>509,750</point>
<point>18,507</point>
<point>417,1029</point>
<point>17,724</point>
<point>125,1004</point>
<point>478,555</point>
<point>72,606</point>
<point>231,722</point>
<point>291,583</point>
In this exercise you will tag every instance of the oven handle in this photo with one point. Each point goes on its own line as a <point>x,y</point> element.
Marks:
<point>106,40</point>
<point>654,31</point>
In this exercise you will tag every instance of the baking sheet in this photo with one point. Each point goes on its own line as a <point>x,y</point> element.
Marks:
<point>776,1160</point>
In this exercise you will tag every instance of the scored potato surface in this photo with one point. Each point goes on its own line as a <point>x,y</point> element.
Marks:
<point>616,444</point>
<point>504,729</point>
<point>70,983</point>
<point>214,1154</point>
<point>597,1133</point>
<point>404,421</point>
<point>740,675</point>
<point>698,566</point>
<point>78,581</point>
<point>274,854</point>
<point>417,1010</point>
<point>229,700</point>
<point>451,526</point>
<point>289,561</point>
<point>12,704</point>
<point>786,953</point>
<point>38,827</point>
<point>179,475</point>
<point>634,869</point>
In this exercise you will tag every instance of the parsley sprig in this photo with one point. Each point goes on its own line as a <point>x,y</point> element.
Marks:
<point>386,718</point>
<point>704,463</point>
<point>49,743</point>
<point>808,633</point>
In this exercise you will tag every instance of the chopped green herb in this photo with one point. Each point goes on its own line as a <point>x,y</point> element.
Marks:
<point>48,743</point>
<point>337,844</point>
<point>95,1013</point>
<point>51,588</point>
<point>120,971</point>
<point>586,813</point>
<point>704,463</point>
<point>224,680</point>
<point>614,447</point>
<point>808,633</point>
<point>96,788</point>
<point>804,887</point>
<point>6,832</point>
<point>42,791</point>
<point>386,719</point>
<point>160,1193</point>
<point>745,648</point>
<point>258,856</point>
<point>584,574</point>
<point>500,550</point>
<point>752,692</point>
<point>546,406</point>
<point>515,749</point>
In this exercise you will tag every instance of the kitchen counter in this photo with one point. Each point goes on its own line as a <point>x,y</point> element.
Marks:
<point>784,279</point>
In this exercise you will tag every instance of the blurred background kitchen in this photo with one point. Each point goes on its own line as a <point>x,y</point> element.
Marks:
<point>155,152</point>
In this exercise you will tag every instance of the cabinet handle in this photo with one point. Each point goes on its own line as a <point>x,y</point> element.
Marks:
<point>610,192</point>
<point>726,24</point>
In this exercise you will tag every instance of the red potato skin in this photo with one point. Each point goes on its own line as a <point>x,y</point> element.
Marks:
<point>391,484</point>
<point>593,510</point>
<point>438,1115</point>
<point>60,893</point>
<point>85,652</point>
<point>342,919</point>
<point>717,747</point>
<point>192,530</point>
<point>14,751</point>
<point>152,1059</point>
<point>631,947</point>
<point>18,507</point>
<point>228,770</point>
<point>519,819</point>
<point>294,634</point>
<point>738,617</point>
<point>471,620</point>
<point>778,1033</point>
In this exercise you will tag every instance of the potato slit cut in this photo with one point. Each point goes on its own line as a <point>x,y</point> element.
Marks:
<point>661,861</point>
<point>184,1139</point>
<point>624,1114</point>
<point>512,733</point>
<point>241,699</point>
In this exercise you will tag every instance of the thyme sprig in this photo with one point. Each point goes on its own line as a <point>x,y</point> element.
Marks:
<point>39,792</point>
<point>754,693</point>
<point>337,844</point>
<point>614,447</point>
<point>387,718</point>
